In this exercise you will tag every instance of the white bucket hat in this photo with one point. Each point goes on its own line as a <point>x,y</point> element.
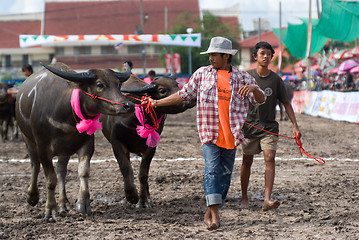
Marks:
<point>220,45</point>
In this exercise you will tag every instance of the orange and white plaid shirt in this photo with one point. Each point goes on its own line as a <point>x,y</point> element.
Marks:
<point>203,86</point>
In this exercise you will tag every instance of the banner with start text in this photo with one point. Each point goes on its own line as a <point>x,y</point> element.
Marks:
<point>189,40</point>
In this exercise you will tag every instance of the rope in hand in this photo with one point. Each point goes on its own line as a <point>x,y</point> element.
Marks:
<point>148,106</point>
<point>150,111</point>
<point>297,140</point>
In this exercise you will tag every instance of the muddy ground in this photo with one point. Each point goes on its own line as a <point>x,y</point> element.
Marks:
<point>318,201</point>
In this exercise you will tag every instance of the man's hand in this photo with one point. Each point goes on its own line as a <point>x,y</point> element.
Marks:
<point>245,90</point>
<point>296,132</point>
<point>145,100</point>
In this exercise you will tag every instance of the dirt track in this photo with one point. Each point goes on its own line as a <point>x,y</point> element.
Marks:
<point>317,201</point>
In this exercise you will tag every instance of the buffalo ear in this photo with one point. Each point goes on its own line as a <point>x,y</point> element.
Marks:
<point>123,76</point>
<point>71,76</point>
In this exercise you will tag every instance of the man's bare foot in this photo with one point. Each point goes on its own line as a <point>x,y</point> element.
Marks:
<point>208,218</point>
<point>244,204</point>
<point>213,226</point>
<point>268,205</point>
<point>211,217</point>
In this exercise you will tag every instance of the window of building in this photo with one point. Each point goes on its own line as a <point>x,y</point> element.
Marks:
<point>59,51</point>
<point>108,50</point>
<point>158,49</point>
<point>25,59</point>
<point>135,49</point>
<point>7,60</point>
<point>82,50</point>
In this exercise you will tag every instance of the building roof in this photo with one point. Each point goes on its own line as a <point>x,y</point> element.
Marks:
<point>10,30</point>
<point>114,61</point>
<point>114,17</point>
<point>96,17</point>
<point>267,36</point>
<point>102,17</point>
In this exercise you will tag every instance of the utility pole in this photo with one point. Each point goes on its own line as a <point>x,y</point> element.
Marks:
<point>189,31</point>
<point>280,40</point>
<point>142,19</point>
<point>166,20</point>
<point>42,31</point>
<point>309,43</point>
<point>259,29</point>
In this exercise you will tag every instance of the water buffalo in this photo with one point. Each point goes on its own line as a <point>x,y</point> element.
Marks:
<point>283,114</point>
<point>51,126</point>
<point>121,132</point>
<point>5,111</point>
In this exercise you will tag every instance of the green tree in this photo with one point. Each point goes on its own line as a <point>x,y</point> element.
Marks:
<point>209,27</point>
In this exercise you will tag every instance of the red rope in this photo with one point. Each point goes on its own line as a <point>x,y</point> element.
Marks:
<point>151,112</point>
<point>103,99</point>
<point>297,140</point>
<point>148,107</point>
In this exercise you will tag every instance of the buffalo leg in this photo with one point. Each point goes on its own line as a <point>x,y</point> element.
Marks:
<point>61,171</point>
<point>123,160</point>
<point>2,126</point>
<point>33,190</point>
<point>143,178</point>
<point>83,197</point>
<point>51,181</point>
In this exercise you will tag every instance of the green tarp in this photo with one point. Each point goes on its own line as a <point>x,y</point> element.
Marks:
<point>295,38</point>
<point>339,21</point>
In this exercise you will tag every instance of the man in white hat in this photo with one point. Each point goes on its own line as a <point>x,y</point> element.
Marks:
<point>223,94</point>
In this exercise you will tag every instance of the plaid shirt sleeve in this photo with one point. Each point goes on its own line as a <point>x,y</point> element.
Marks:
<point>189,90</point>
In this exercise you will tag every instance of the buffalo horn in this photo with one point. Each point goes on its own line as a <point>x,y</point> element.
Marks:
<point>75,77</point>
<point>173,74</point>
<point>148,88</point>
<point>123,76</point>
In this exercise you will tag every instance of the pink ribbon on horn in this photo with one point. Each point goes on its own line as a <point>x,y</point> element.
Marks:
<point>88,125</point>
<point>146,130</point>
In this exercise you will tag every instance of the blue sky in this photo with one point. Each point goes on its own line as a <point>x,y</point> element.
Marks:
<point>292,10</point>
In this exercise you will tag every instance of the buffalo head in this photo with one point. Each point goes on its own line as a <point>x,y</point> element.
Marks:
<point>102,83</point>
<point>161,87</point>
